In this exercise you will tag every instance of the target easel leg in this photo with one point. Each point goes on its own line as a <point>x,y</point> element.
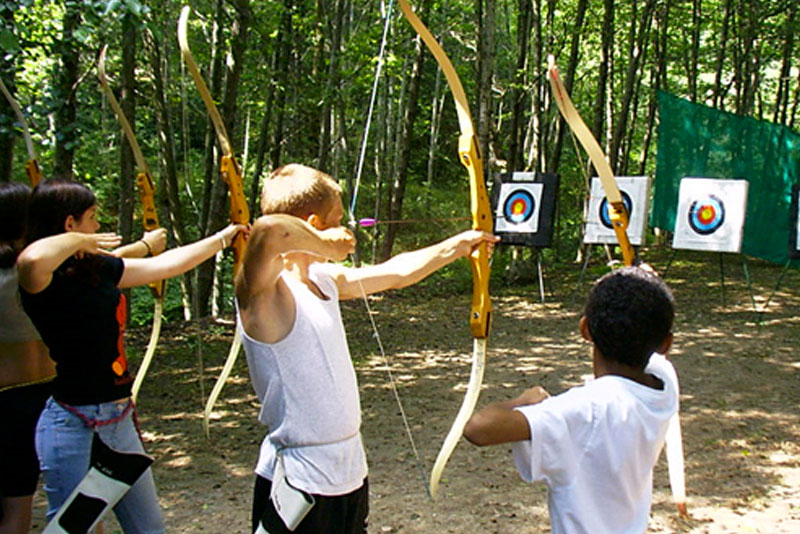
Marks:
<point>722,276</point>
<point>669,263</point>
<point>587,254</point>
<point>750,287</point>
<point>541,276</point>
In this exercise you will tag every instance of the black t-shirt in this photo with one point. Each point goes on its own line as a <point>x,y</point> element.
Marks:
<point>81,318</point>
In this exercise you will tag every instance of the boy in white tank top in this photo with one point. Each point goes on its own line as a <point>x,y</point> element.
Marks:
<point>287,296</point>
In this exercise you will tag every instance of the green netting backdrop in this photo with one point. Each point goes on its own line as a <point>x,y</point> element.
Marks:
<point>702,142</point>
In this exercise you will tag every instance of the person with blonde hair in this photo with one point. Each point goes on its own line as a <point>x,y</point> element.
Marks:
<point>311,475</point>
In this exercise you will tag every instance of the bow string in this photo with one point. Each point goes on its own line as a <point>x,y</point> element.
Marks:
<point>239,212</point>
<point>480,312</point>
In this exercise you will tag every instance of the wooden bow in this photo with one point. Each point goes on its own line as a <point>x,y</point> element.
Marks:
<point>480,312</point>
<point>232,176</point>
<point>32,166</point>
<point>147,190</point>
<point>619,220</point>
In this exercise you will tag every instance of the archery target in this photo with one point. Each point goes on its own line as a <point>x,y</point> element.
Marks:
<point>710,214</point>
<point>518,211</point>
<point>635,191</point>
<point>794,246</point>
<point>524,208</point>
<point>707,215</point>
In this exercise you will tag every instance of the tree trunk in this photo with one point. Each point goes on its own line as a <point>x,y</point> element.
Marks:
<point>782,98</point>
<point>518,90</point>
<point>127,101</point>
<point>65,89</point>
<point>721,49</point>
<point>486,32</point>
<point>398,188</point>
<point>7,118</point>
<point>167,188</point>
<point>637,49</point>
<point>218,212</point>
<point>569,78</point>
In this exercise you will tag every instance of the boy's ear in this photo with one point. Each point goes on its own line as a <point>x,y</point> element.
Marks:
<point>665,345</point>
<point>583,326</point>
<point>315,221</point>
<point>70,223</point>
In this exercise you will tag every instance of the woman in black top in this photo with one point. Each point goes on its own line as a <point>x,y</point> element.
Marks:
<point>70,289</point>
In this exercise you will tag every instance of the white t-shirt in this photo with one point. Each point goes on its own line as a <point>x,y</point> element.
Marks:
<point>595,447</point>
<point>309,395</point>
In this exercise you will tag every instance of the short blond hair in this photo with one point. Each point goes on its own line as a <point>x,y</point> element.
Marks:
<point>298,190</point>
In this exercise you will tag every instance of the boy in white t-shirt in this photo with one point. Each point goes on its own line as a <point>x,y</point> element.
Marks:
<point>287,297</point>
<point>595,445</point>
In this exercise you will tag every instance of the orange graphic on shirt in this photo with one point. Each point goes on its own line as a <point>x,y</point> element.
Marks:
<point>120,365</point>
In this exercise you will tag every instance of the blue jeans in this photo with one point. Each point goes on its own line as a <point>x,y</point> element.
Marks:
<point>63,443</point>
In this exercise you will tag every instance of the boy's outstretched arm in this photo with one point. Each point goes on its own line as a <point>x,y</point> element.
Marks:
<point>407,268</point>
<point>499,422</point>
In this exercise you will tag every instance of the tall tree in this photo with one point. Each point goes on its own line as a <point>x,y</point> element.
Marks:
<point>65,91</point>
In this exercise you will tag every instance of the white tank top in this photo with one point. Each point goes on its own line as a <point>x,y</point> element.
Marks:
<point>15,326</point>
<point>309,395</point>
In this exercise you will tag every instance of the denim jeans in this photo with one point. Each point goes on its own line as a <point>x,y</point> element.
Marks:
<point>63,443</point>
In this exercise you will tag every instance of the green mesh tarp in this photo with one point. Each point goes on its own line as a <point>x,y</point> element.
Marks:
<point>701,142</point>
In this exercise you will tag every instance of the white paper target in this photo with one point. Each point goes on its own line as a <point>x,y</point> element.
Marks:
<point>635,192</point>
<point>519,208</point>
<point>710,215</point>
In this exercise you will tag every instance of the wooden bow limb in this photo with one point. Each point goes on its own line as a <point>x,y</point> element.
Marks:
<point>32,165</point>
<point>239,213</point>
<point>147,190</point>
<point>480,311</point>
<point>619,220</point>
<point>617,213</point>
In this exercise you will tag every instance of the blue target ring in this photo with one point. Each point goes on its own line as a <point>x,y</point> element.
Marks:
<point>604,217</point>
<point>519,207</point>
<point>706,215</point>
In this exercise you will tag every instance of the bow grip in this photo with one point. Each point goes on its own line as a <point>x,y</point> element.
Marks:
<point>240,213</point>
<point>147,191</point>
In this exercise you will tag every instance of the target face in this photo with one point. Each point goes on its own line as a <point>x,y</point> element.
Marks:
<point>603,212</point>
<point>710,214</point>
<point>524,205</point>
<point>519,207</point>
<point>635,192</point>
<point>707,215</point>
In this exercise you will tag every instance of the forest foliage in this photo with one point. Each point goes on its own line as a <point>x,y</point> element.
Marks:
<point>293,79</point>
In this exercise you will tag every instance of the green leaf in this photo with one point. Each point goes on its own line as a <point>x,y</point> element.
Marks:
<point>8,41</point>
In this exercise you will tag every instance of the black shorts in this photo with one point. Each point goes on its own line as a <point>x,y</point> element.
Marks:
<point>19,412</point>
<point>343,514</point>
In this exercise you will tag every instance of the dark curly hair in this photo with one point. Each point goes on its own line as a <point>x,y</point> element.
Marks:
<point>629,314</point>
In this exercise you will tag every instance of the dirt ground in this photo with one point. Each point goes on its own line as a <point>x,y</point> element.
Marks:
<point>739,370</point>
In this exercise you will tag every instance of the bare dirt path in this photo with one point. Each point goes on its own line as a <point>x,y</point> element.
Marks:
<point>740,377</point>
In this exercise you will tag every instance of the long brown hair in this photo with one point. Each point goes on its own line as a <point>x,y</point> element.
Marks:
<point>52,201</point>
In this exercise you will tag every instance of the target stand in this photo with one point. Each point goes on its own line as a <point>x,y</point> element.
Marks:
<point>794,244</point>
<point>525,205</point>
